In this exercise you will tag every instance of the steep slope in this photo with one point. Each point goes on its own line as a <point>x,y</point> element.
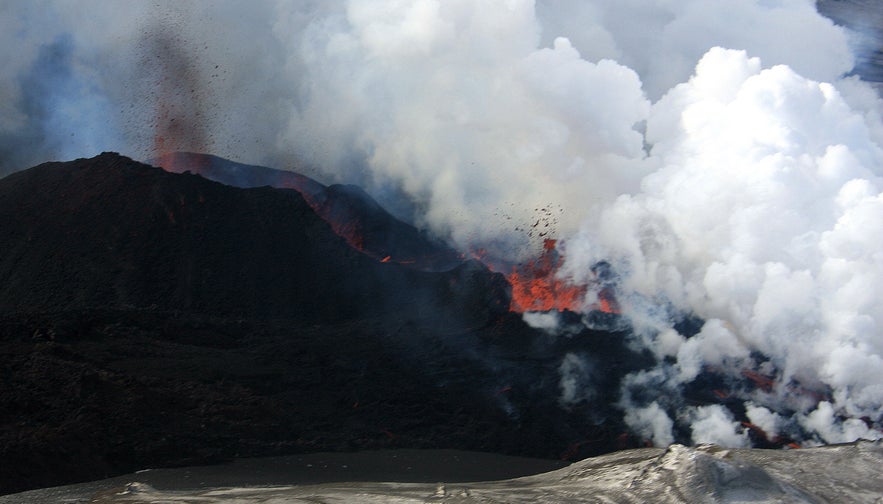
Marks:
<point>150,319</point>
<point>111,232</point>
<point>352,213</point>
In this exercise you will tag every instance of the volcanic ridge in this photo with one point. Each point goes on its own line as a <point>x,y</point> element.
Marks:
<point>155,318</point>
<point>150,318</point>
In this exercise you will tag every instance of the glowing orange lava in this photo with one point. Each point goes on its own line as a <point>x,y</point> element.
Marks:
<point>757,430</point>
<point>351,232</point>
<point>536,286</point>
<point>607,301</point>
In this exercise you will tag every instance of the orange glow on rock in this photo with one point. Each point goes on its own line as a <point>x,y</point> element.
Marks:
<point>762,382</point>
<point>607,302</point>
<point>757,430</point>
<point>167,136</point>
<point>536,286</point>
<point>351,232</point>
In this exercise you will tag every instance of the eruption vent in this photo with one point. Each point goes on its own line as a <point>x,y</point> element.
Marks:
<point>536,286</point>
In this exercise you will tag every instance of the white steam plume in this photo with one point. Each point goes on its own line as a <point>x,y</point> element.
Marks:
<point>713,152</point>
<point>764,217</point>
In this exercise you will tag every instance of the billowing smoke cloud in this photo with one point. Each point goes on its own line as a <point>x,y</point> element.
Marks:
<point>762,217</point>
<point>716,154</point>
<point>650,422</point>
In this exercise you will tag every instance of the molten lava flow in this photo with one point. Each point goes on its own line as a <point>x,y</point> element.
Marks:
<point>607,302</point>
<point>350,231</point>
<point>757,430</point>
<point>536,286</point>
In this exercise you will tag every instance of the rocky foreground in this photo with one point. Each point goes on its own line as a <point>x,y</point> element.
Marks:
<point>844,473</point>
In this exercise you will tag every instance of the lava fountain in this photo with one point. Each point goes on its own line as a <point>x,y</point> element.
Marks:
<point>537,285</point>
<point>177,92</point>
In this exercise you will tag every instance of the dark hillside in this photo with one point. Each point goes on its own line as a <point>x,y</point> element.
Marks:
<point>352,213</point>
<point>110,232</point>
<point>150,319</point>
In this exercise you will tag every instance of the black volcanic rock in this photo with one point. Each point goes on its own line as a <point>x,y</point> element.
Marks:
<point>153,319</point>
<point>349,209</point>
<point>86,394</point>
<point>236,174</point>
<point>110,232</point>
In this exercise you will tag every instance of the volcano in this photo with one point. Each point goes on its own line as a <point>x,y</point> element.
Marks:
<point>369,228</point>
<point>349,210</point>
<point>150,318</point>
<point>109,232</point>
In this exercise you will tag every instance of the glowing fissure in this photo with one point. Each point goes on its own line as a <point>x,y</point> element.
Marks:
<point>537,285</point>
<point>349,231</point>
<point>536,289</point>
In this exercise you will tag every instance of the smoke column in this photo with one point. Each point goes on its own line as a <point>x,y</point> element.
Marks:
<point>718,155</point>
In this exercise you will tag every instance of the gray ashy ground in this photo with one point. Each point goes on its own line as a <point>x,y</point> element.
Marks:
<point>842,473</point>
